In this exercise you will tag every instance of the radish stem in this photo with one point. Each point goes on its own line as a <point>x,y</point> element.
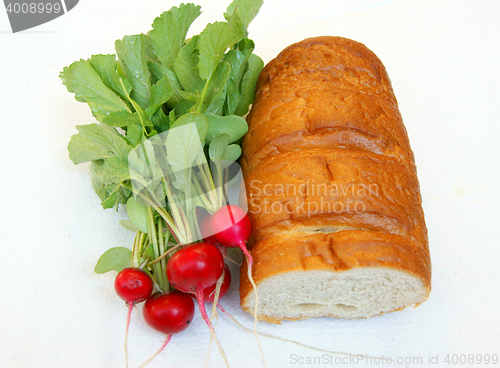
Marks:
<point>164,214</point>
<point>171,250</point>
<point>201,193</point>
<point>163,264</point>
<point>154,240</point>
<point>175,212</point>
<point>135,249</point>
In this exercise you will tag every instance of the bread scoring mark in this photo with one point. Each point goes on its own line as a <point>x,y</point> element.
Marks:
<point>353,179</point>
<point>333,223</point>
<point>331,138</point>
<point>387,136</point>
<point>314,253</point>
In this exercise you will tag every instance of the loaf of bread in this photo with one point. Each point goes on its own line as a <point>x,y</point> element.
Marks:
<point>333,196</point>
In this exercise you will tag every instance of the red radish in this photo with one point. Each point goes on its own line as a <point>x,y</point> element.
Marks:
<point>206,231</point>
<point>134,286</point>
<point>209,292</point>
<point>208,237</point>
<point>193,269</point>
<point>169,313</point>
<point>232,228</point>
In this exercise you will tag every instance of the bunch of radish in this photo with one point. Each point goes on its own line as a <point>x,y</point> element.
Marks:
<point>197,269</point>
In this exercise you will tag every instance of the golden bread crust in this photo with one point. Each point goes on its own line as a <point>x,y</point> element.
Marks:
<point>329,173</point>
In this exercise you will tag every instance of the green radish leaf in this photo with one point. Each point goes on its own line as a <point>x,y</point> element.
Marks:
<point>248,84</point>
<point>106,177</point>
<point>123,196</point>
<point>131,51</point>
<point>190,96</point>
<point>218,146</point>
<point>137,214</point>
<point>177,100</point>
<point>150,251</point>
<point>150,54</point>
<point>213,43</point>
<point>115,170</point>
<point>82,149</point>
<point>245,45</point>
<point>114,259</point>
<point>122,118</point>
<point>235,127</point>
<point>97,179</point>
<point>231,154</point>
<point>144,121</point>
<point>84,81</point>
<point>182,106</point>
<point>128,225</point>
<point>238,61</point>
<point>155,70</point>
<point>174,83</point>
<point>145,171</point>
<point>160,94</point>
<point>169,31</point>
<point>199,119</point>
<point>185,66</point>
<point>111,201</point>
<point>172,117</point>
<point>111,74</point>
<point>233,98</point>
<point>134,133</point>
<point>160,121</point>
<point>214,101</point>
<point>107,138</point>
<point>221,153</point>
<point>245,10</point>
<point>237,27</point>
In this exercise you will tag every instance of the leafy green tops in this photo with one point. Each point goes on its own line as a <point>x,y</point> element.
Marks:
<point>158,79</point>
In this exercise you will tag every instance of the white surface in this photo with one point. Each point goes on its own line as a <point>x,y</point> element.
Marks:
<point>442,57</point>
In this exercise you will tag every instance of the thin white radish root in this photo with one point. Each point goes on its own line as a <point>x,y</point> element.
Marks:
<point>250,278</point>
<point>201,305</point>
<point>287,340</point>
<point>214,309</point>
<point>129,315</point>
<point>169,337</point>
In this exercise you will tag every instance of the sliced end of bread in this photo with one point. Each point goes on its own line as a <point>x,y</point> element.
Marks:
<point>356,293</point>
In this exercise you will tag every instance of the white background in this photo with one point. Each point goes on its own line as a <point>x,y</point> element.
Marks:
<point>443,59</point>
